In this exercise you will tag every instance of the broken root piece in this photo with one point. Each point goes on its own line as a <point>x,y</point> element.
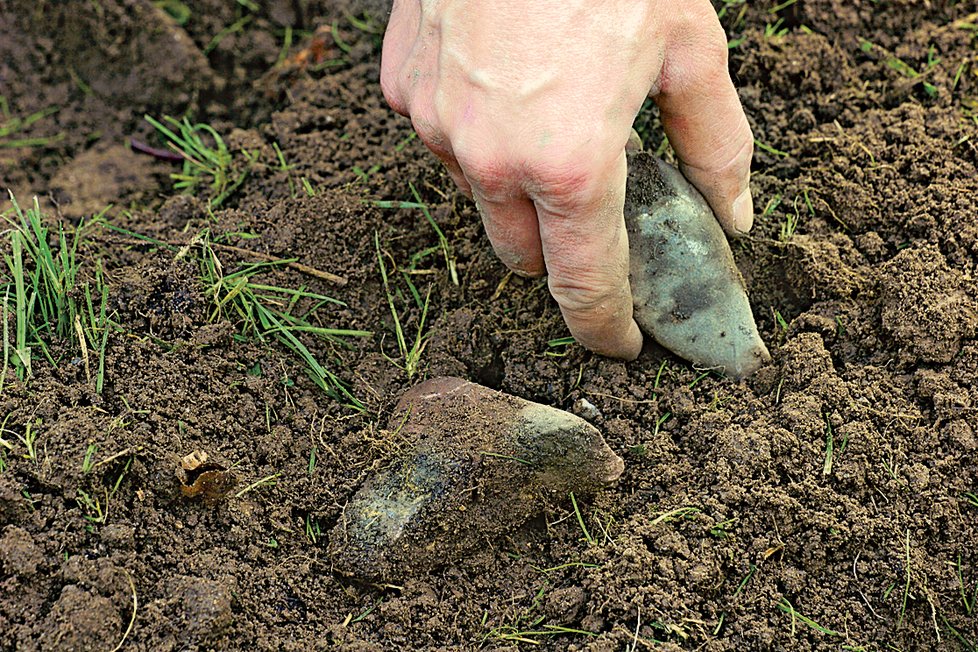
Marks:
<point>480,464</point>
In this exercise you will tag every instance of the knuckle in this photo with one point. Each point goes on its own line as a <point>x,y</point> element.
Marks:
<point>563,184</point>
<point>486,171</point>
<point>700,21</point>
<point>430,133</point>
<point>741,153</point>
<point>565,178</point>
<point>460,181</point>
<point>391,91</point>
<point>699,50</point>
<point>714,51</point>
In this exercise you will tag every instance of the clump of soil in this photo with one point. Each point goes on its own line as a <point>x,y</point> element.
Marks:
<point>829,502</point>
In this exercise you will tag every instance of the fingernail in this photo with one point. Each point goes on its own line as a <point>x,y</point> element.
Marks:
<point>743,212</point>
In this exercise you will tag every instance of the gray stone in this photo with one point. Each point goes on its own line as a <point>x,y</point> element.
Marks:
<point>478,464</point>
<point>688,293</point>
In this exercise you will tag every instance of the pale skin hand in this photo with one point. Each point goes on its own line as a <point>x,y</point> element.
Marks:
<point>529,104</point>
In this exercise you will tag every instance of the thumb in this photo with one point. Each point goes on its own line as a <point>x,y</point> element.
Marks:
<point>706,125</point>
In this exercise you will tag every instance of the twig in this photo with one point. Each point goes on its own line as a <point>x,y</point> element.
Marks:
<point>299,267</point>
<point>116,456</point>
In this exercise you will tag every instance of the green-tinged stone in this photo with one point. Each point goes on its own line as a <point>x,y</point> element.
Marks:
<point>478,463</point>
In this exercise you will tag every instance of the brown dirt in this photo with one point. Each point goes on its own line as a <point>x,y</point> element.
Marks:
<point>727,507</point>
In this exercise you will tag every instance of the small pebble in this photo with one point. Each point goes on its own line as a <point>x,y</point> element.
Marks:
<point>586,409</point>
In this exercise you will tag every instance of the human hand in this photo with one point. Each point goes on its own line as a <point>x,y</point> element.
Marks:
<point>530,105</point>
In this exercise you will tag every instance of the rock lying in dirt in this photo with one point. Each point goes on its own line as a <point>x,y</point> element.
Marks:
<point>199,609</point>
<point>687,290</point>
<point>478,463</point>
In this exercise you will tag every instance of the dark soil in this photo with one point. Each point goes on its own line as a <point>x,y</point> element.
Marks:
<point>731,514</point>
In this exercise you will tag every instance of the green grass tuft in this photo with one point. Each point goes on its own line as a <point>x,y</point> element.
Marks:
<point>46,296</point>
<point>208,164</point>
<point>264,311</point>
<point>443,246</point>
<point>528,626</point>
<point>411,354</point>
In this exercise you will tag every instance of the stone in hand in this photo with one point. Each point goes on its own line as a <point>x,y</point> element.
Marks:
<point>687,291</point>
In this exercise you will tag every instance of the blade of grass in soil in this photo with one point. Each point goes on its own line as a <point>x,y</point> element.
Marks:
<point>44,289</point>
<point>262,310</point>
